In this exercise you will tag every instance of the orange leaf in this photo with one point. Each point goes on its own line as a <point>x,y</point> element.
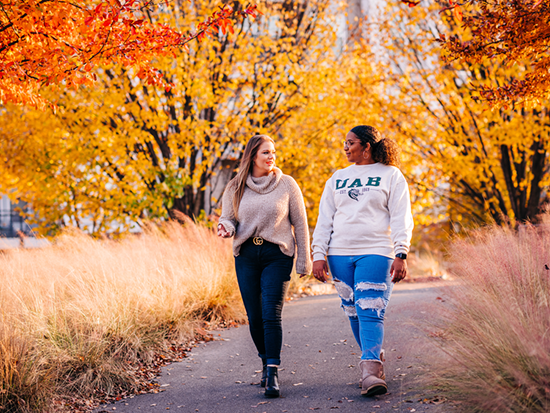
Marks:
<point>457,11</point>
<point>411,3</point>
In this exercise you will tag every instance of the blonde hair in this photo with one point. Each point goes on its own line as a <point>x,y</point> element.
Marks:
<point>247,163</point>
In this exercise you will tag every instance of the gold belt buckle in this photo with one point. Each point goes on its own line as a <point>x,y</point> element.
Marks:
<point>258,240</point>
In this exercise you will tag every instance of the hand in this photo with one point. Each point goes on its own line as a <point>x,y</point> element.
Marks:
<point>398,270</point>
<point>320,270</point>
<point>222,232</point>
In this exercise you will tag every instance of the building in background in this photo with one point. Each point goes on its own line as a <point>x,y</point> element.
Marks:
<point>14,230</point>
<point>12,224</point>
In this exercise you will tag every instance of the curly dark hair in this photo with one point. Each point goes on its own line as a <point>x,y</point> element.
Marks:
<point>384,150</point>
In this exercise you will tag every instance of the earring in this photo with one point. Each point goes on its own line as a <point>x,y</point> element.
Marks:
<point>367,157</point>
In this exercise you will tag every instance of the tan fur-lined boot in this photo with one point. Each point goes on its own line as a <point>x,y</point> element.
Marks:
<point>383,359</point>
<point>372,373</point>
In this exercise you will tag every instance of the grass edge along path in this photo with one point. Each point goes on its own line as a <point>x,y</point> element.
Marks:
<point>497,329</point>
<point>86,320</point>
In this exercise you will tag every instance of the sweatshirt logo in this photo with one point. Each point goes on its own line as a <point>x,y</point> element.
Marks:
<point>354,194</point>
<point>371,181</point>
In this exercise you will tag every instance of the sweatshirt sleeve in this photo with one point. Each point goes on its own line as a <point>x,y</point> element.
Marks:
<point>323,229</point>
<point>401,219</point>
<point>227,218</point>
<point>298,219</point>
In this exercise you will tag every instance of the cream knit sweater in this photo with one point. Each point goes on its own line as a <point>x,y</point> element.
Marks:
<point>270,208</point>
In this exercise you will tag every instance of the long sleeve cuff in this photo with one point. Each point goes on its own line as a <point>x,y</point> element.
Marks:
<point>401,249</point>
<point>229,227</point>
<point>303,268</point>
<point>318,256</point>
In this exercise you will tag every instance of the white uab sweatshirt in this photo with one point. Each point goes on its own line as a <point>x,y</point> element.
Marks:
<point>365,209</point>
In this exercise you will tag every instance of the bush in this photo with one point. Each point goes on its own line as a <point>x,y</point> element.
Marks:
<point>25,382</point>
<point>499,321</point>
<point>85,317</point>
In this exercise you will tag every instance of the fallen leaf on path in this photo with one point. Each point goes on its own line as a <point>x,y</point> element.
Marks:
<point>260,403</point>
<point>434,400</point>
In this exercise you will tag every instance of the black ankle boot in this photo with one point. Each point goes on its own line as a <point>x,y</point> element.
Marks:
<point>264,373</point>
<point>272,382</point>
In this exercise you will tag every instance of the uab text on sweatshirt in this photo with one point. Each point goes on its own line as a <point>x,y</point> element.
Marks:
<point>364,209</point>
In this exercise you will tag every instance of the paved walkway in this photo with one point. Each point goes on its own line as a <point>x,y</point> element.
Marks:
<point>320,364</point>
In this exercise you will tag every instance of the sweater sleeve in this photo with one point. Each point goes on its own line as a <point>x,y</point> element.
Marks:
<point>401,219</point>
<point>323,229</point>
<point>298,219</point>
<point>227,218</point>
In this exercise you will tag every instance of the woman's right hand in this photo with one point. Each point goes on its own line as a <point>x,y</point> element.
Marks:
<point>222,232</point>
<point>320,270</point>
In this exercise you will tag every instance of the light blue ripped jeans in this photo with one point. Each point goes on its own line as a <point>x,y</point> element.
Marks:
<point>364,285</point>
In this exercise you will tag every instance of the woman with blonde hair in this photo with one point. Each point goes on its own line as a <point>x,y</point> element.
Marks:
<point>364,229</point>
<point>264,211</point>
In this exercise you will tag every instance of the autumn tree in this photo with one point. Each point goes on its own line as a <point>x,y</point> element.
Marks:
<point>45,42</point>
<point>488,165</point>
<point>512,32</point>
<point>508,32</point>
<point>124,150</point>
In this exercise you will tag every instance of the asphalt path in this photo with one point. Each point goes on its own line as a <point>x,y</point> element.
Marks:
<point>319,370</point>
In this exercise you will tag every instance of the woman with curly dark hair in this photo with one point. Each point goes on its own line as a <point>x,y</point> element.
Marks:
<point>364,229</point>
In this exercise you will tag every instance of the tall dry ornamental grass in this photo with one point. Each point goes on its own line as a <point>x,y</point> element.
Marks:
<point>80,317</point>
<point>499,322</point>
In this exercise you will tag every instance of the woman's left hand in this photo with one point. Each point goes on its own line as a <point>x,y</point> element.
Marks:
<point>398,270</point>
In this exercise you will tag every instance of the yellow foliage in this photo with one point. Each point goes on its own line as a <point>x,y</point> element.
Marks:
<point>124,150</point>
<point>479,165</point>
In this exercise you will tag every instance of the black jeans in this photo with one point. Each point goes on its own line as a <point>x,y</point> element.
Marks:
<point>263,273</point>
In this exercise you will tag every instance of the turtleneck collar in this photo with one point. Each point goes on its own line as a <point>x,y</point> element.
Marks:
<point>265,184</point>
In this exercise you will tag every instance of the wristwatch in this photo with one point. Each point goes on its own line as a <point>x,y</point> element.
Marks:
<point>401,255</point>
